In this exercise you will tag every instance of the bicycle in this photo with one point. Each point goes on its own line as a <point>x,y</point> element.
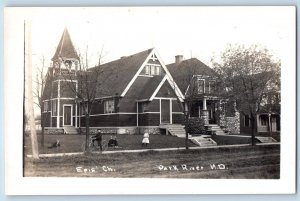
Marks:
<point>94,147</point>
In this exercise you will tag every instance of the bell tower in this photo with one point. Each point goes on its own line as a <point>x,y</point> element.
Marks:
<point>65,57</point>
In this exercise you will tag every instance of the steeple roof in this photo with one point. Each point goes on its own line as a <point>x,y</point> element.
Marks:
<point>65,48</point>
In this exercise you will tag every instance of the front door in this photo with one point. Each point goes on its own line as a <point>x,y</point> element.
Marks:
<point>67,115</point>
<point>165,111</point>
<point>211,112</point>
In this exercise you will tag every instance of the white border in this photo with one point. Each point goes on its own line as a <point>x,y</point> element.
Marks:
<point>15,184</point>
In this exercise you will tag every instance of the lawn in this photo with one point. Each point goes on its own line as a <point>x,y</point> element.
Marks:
<point>72,143</point>
<point>259,162</point>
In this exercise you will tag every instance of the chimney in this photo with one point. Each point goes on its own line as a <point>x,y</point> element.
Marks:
<point>178,59</point>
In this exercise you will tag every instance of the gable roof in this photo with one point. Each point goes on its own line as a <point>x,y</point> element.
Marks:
<point>168,75</point>
<point>150,87</point>
<point>65,48</point>
<point>143,87</point>
<point>117,75</point>
<point>184,69</point>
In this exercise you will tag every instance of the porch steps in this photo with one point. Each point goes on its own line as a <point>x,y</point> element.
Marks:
<point>174,130</point>
<point>214,129</point>
<point>266,139</point>
<point>70,130</point>
<point>203,141</point>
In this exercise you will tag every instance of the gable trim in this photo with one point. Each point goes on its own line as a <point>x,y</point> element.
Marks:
<point>136,74</point>
<point>159,87</point>
<point>168,74</point>
<point>170,78</point>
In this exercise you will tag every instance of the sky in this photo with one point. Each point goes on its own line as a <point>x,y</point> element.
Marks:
<point>200,32</point>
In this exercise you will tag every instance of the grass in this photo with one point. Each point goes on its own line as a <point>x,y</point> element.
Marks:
<point>231,140</point>
<point>259,162</point>
<point>239,139</point>
<point>72,143</point>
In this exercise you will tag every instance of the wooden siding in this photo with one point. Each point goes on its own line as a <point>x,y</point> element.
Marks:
<point>177,118</point>
<point>166,91</point>
<point>127,104</point>
<point>153,106</point>
<point>112,120</point>
<point>149,119</point>
<point>54,121</point>
<point>46,116</point>
<point>176,107</point>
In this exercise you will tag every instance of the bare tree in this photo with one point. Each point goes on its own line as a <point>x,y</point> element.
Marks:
<point>38,89</point>
<point>248,75</point>
<point>88,89</point>
<point>188,78</point>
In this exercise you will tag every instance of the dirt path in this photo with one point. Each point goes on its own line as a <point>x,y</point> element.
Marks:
<point>235,162</point>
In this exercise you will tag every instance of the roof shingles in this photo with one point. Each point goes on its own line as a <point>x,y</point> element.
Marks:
<point>116,75</point>
<point>187,68</point>
<point>65,48</point>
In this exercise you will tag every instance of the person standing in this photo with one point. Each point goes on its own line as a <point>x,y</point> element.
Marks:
<point>98,138</point>
<point>145,140</point>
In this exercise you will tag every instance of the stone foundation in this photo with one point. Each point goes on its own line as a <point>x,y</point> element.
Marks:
<point>54,131</point>
<point>150,130</point>
<point>233,124</point>
<point>109,130</point>
<point>112,130</point>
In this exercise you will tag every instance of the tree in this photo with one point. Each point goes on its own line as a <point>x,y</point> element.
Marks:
<point>86,86</point>
<point>187,76</point>
<point>248,75</point>
<point>38,89</point>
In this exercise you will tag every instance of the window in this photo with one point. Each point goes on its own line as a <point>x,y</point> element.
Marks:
<point>201,86</point>
<point>147,70</point>
<point>152,69</point>
<point>263,120</point>
<point>247,121</point>
<point>54,108</point>
<point>212,87</point>
<point>142,107</point>
<point>157,70</point>
<point>45,106</point>
<point>109,106</point>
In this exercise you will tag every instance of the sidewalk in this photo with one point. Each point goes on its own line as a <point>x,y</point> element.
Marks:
<point>146,150</point>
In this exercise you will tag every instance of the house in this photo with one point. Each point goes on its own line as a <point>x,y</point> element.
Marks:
<point>139,93</point>
<point>208,111</point>
<point>267,121</point>
<point>133,94</point>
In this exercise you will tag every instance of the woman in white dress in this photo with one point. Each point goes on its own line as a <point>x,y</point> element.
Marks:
<point>145,140</point>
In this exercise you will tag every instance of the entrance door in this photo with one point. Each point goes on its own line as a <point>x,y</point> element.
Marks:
<point>273,122</point>
<point>211,112</point>
<point>67,115</point>
<point>165,112</point>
